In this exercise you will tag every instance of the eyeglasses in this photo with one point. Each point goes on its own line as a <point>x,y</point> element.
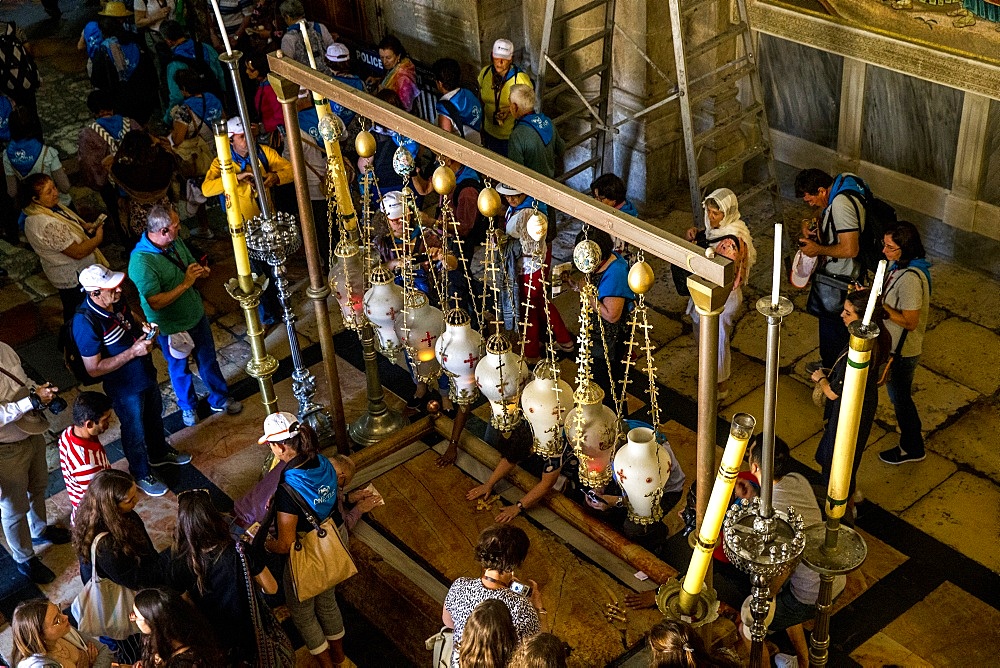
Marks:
<point>890,248</point>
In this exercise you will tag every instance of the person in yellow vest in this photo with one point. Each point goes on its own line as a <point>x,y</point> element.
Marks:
<point>276,171</point>
<point>495,81</point>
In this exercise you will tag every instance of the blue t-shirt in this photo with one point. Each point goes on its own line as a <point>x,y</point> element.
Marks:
<point>614,281</point>
<point>468,106</point>
<point>353,81</point>
<point>110,333</point>
<point>92,38</point>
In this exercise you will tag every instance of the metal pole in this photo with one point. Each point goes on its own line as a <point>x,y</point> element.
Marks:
<point>246,287</point>
<point>287,93</point>
<point>774,314</point>
<point>232,63</point>
<point>379,421</point>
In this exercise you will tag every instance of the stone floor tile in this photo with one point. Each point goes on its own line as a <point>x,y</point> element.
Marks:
<point>221,336</point>
<point>881,650</point>
<point>897,488</point>
<point>663,329</point>
<point>663,294</point>
<point>964,352</point>
<point>955,512</point>
<point>677,366</point>
<point>40,286</point>
<point>234,321</point>
<point>805,452</point>
<point>929,628</point>
<point>797,418</point>
<point>971,440</point>
<point>937,399</point>
<point>966,293</point>
<point>12,295</point>
<point>799,336</point>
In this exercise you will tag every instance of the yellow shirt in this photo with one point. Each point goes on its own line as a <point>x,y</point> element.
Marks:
<point>491,101</point>
<point>245,194</point>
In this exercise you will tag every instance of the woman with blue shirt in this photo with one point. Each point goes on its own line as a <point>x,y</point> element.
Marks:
<point>614,302</point>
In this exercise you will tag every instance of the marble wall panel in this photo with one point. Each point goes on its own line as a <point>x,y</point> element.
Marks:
<point>990,187</point>
<point>801,89</point>
<point>911,126</point>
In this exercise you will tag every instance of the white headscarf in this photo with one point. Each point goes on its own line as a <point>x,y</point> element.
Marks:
<point>732,225</point>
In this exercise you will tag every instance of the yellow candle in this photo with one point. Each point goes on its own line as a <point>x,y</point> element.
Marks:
<point>345,204</point>
<point>233,214</point>
<point>739,433</point>
<point>852,398</point>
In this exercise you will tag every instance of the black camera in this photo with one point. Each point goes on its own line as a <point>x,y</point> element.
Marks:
<point>55,406</point>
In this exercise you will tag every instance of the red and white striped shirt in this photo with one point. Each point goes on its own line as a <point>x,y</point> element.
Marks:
<point>80,459</point>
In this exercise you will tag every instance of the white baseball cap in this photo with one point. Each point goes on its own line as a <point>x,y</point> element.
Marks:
<point>503,48</point>
<point>235,126</point>
<point>181,345</point>
<point>392,204</point>
<point>337,53</point>
<point>279,426</point>
<point>803,267</point>
<point>505,189</point>
<point>99,277</point>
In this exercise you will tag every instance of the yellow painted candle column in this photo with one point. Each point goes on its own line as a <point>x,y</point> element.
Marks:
<point>739,433</point>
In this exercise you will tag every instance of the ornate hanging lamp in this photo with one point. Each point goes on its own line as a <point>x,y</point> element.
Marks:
<point>545,402</point>
<point>500,376</point>
<point>383,304</point>
<point>459,350</point>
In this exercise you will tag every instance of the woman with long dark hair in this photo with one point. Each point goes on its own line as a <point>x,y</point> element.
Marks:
<point>208,567</point>
<point>831,382</point>
<point>314,478</point>
<point>174,633</point>
<point>126,555</point>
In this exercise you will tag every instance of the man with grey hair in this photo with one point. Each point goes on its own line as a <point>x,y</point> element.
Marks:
<point>164,271</point>
<point>534,141</point>
<point>292,43</point>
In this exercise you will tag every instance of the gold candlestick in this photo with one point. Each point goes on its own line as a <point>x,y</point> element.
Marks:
<point>246,287</point>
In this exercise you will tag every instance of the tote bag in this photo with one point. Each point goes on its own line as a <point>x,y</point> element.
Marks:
<point>319,559</point>
<point>102,607</point>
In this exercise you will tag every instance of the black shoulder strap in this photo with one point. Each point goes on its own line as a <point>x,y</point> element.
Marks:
<point>306,509</point>
<point>199,52</point>
<point>454,116</point>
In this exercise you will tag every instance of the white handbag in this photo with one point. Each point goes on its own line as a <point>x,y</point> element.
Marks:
<point>102,607</point>
<point>442,644</point>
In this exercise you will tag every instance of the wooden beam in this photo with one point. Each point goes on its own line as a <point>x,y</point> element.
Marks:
<point>637,232</point>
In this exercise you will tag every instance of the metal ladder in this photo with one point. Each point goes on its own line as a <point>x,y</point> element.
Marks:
<point>593,111</point>
<point>596,110</point>
<point>692,92</point>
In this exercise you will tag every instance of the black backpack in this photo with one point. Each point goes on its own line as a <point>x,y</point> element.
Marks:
<point>71,352</point>
<point>879,217</point>
<point>199,65</point>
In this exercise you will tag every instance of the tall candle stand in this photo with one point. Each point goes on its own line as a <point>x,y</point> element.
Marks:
<point>833,549</point>
<point>272,239</point>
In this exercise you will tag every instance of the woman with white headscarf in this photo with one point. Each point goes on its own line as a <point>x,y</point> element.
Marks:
<point>728,236</point>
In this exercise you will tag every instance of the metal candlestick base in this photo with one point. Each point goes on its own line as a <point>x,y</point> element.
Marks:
<point>765,548</point>
<point>831,549</point>
<point>273,239</point>
<point>704,609</point>
<point>379,420</point>
<point>261,366</point>
<point>779,310</point>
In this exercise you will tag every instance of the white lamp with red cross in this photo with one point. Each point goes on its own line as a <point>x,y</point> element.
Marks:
<point>459,350</point>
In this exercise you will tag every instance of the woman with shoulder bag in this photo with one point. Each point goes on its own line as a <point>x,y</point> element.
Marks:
<point>174,633</point>
<point>312,478</point>
<point>208,566</point>
<point>126,554</point>
<point>41,631</point>
<point>907,296</point>
<point>832,386</point>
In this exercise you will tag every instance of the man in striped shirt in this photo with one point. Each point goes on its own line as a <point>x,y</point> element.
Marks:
<point>81,455</point>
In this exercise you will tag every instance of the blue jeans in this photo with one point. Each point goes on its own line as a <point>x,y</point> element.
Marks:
<point>208,369</point>
<point>900,386</point>
<point>140,413</point>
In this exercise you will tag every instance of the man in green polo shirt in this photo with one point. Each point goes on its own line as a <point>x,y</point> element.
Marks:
<point>165,272</point>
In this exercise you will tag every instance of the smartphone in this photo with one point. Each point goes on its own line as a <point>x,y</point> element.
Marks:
<point>520,588</point>
<point>203,260</point>
<point>153,329</point>
<point>101,219</point>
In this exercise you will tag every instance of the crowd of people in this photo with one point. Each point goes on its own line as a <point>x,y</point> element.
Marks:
<point>158,91</point>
